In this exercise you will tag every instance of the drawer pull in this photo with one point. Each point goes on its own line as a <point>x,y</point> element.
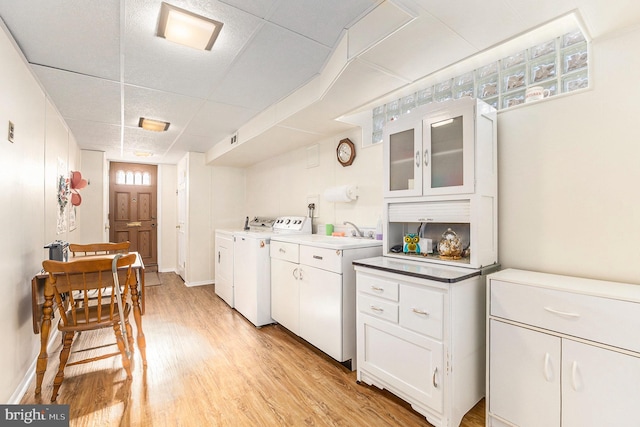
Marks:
<point>294,273</point>
<point>377,288</point>
<point>317,257</point>
<point>376,309</point>
<point>548,371</point>
<point>418,311</point>
<point>282,250</point>
<point>435,372</point>
<point>562,313</point>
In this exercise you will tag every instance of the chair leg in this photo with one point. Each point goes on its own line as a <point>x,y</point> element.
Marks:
<point>126,363</point>
<point>129,335</point>
<point>67,339</point>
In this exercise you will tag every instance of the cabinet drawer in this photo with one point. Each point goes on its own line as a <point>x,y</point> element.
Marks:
<point>605,320</point>
<point>284,251</point>
<point>378,307</point>
<point>377,286</point>
<point>422,310</point>
<point>325,259</point>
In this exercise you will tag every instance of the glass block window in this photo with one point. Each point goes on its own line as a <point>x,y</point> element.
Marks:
<point>559,65</point>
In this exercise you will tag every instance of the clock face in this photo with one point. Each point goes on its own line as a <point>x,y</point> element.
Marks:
<point>346,152</point>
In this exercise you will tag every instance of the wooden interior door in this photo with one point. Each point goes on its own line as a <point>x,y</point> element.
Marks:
<point>133,209</point>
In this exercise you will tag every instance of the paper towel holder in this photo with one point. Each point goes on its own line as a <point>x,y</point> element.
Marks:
<point>342,193</point>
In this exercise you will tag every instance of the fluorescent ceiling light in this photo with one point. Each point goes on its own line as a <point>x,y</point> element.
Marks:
<point>154,125</point>
<point>187,28</point>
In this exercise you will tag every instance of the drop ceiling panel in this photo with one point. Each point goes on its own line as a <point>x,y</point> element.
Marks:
<point>217,121</point>
<point>423,46</point>
<point>322,21</point>
<point>154,62</point>
<point>276,63</point>
<point>79,96</point>
<point>259,8</point>
<point>376,25</point>
<point>69,35</point>
<point>158,105</point>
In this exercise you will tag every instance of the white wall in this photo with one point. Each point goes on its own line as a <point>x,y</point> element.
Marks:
<point>167,218</point>
<point>281,185</point>
<point>569,173</point>
<point>91,212</point>
<point>28,193</point>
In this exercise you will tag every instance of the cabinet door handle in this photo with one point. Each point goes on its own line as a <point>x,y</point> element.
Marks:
<point>426,158</point>
<point>548,371</point>
<point>218,257</point>
<point>435,372</point>
<point>418,158</point>
<point>418,311</point>
<point>574,376</point>
<point>562,313</point>
<point>376,309</point>
<point>294,273</point>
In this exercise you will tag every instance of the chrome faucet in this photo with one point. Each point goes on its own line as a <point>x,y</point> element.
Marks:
<point>360,233</point>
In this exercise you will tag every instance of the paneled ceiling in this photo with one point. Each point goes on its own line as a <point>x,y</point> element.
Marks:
<point>278,76</point>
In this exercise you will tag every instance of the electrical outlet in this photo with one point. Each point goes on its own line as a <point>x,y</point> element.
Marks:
<point>11,132</point>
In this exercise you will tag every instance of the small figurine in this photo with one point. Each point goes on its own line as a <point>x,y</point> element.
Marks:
<point>411,245</point>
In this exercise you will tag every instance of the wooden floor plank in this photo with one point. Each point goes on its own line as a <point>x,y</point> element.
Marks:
<point>209,366</point>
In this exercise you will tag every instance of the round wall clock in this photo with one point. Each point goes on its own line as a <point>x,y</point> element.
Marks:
<point>346,152</point>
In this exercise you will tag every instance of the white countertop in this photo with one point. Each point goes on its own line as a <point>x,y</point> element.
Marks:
<point>421,269</point>
<point>329,242</point>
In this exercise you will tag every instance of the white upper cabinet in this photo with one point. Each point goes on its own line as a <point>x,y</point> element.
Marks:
<point>432,151</point>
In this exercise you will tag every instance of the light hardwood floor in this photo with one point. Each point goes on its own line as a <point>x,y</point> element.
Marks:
<point>209,366</point>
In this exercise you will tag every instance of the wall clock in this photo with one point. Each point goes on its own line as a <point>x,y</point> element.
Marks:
<point>346,152</point>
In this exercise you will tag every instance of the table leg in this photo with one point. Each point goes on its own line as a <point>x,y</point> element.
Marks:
<point>43,358</point>
<point>137,316</point>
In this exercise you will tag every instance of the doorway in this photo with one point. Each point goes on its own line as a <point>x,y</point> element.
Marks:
<point>133,209</point>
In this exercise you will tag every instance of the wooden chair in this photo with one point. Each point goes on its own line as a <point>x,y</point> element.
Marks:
<point>77,249</point>
<point>102,310</point>
<point>104,248</point>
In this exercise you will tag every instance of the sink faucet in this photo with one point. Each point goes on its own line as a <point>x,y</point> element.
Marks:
<point>360,233</point>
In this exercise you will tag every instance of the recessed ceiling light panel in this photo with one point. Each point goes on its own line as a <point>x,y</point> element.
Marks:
<point>154,125</point>
<point>187,28</point>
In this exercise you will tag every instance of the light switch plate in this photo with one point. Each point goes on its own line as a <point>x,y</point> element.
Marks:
<point>11,131</point>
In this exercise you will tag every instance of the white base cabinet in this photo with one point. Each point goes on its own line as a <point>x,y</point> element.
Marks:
<point>422,339</point>
<point>313,294</point>
<point>562,351</point>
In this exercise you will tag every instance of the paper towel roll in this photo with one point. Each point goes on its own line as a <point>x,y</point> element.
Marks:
<point>342,193</point>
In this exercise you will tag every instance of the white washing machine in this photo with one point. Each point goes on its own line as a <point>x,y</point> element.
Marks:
<point>252,265</point>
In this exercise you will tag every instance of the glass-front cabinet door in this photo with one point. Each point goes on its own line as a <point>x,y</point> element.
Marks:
<point>403,157</point>
<point>448,151</point>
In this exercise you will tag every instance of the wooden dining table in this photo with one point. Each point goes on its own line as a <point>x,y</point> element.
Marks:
<point>43,307</point>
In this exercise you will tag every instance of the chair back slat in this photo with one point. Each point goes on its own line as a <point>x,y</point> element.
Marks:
<point>104,248</point>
